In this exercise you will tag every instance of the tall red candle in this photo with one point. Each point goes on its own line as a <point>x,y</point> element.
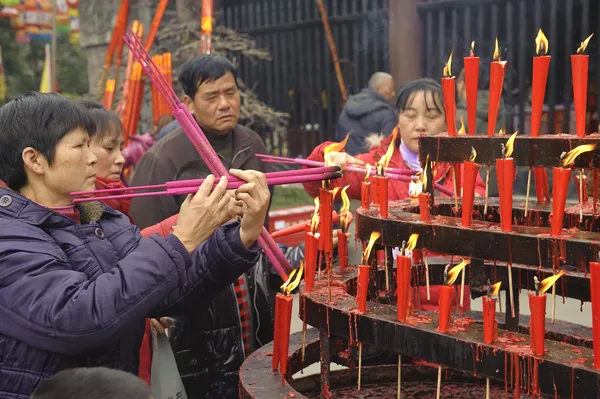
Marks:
<point>505,171</point>
<point>311,244</point>
<point>560,185</point>
<point>579,67</point>
<point>541,65</point>
<point>277,331</point>
<point>537,326</point>
<point>365,194</point>
<point>403,274</point>
<point>582,194</point>
<point>446,292</point>
<point>424,207</point>
<point>489,319</point>
<point>472,86</point>
<point>542,191</point>
<point>382,193</point>
<point>361,288</point>
<point>325,220</point>
<point>449,92</point>
<point>343,249</point>
<point>284,331</point>
<point>595,296</point>
<point>471,172</point>
<point>497,71</point>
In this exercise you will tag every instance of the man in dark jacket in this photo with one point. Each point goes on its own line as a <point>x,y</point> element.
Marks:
<point>370,111</point>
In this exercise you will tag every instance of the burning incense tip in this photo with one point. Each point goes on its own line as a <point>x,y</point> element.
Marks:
<point>453,273</point>
<point>570,157</point>
<point>541,43</point>
<point>448,67</point>
<point>584,44</point>
<point>495,289</point>
<point>548,282</point>
<point>510,145</point>
<point>374,237</point>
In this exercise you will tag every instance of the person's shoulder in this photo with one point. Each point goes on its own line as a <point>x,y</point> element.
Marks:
<point>247,134</point>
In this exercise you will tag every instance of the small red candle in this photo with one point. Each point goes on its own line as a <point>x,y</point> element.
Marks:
<point>497,70</point>
<point>276,332</point>
<point>403,274</point>
<point>446,292</point>
<point>582,188</point>
<point>449,91</point>
<point>382,193</point>
<point>365,195</point>
<point>284,331</point>
<point>595,297</point>
<point>489,319</point>
<point>505,171</point>
<point>471,172</point>
<point>560,185</point>
<point>325,220</point>
<point>472,86</point>
<point>537,326</point>
<point>375,192</point>
<point>343,249</point>
<point>361,289</point>
<point>311,244</point>
<point>424,203</point>
<point>580,66</point>
<point>541,64</point>
<point>542,190</point>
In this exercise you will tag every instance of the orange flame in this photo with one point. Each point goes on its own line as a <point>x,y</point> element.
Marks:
<point>495,289</point>
<point>368,171</point>
<point>546,283</point>
<point>374,237</point>
<point>541,43</point>
<point>501,132</point>
<point>584,44</point>
<point>290,285</point>
<point>569,159</point>
<point>473,155</point>
<point>462,129</point>
<point>345,209</point>
<point>453,273</point>
<point>448,67</point>
<point>412,242</point>
<point>335,147</point>
<point>472,48</point>
<point>425,178</point>
<point>510,145</point>
<point>385,159</point>
<point>334,193</point>
<point>315,217</point>
<point>497,52</point>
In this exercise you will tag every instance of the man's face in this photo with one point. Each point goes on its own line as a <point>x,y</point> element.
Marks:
<point>216,104</point>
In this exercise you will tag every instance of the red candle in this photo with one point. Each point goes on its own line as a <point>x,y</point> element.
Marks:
<point>541,64</point>
<point>505,171</point>
<point>595,296</point>
<point>446,292</point>
<point>471,172</point>
<point>382,193</point>
<point>560,180</point>
<point>343,249</point>
<point>284,331</point>
<point>325,220</point>
<point>472,86</point>
<point>417,256</point>
<point>375,193</point>
<point>582,188</point>
<point>579,67</point>
<point>365,194</point>
<point>449,90</point>
<point>311,244</point>
<point>489,319</point>
<point>403,273</point>
<point>542,191</point>
<point>424,207</point>
<point>537,326</point>
<point>361,289</point>
<point>497,70</point>
<point>276,332</point>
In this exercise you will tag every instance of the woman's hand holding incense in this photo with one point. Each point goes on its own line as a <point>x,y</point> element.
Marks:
<point>341,159</point>
<point>204,212</point>
<point>256,196</point>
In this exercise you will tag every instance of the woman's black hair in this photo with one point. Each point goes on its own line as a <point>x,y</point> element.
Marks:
<point>39,121</point>
<point>429,87</point>
<point>107,121</point>
<point>204,68</point>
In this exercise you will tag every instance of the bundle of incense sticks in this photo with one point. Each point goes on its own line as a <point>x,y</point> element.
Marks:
<point>200,142</point>
<point>391,173</point>
<point>159,105</point>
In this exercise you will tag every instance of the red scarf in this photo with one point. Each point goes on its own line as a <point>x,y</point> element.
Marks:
<point>122,205</point>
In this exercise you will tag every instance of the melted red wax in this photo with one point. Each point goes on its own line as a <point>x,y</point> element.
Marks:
<point>580,360</point>
<point>578,351</point>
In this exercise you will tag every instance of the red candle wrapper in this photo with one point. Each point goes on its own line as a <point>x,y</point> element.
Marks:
<point>284,331</point>
<point>424,207</point>
<point>446,292</point>
<point>311,244</point>
<point>505,172</point>
<point>471,172</point>
<point>449,90</point>
<point>276,332</point>
<point>325,222</point>
<point>361,289</point>
<point>489,319</point>
<point>382,193</point>
<point>343,249</point>
<point>497,70</point>
<point>365,194</point>
<point>595,294</point>
<point>579,67</point>
<point>472,86</point>
<point>537,326</point>
<point>541,64</point>
<point>542,191</point>
<point>560,185</point>
<point>403,285</point>
<point>582,191</point>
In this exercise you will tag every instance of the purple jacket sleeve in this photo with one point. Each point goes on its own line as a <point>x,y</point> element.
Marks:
<point>49,305</point>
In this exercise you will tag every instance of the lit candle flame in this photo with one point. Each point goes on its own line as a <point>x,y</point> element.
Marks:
<point>497,52</point>
<point>412,242</point>
<point>541,43</point>
<point>546,283</point>
<point>334,193</point>
<point>510,145</point>
<point>425,178</point>
<point>368,171</point>
<point>345,209</point>
<point>374,237</point>
<point>453,273</point>
<point>385,159</point>
<point>335,147</point>
<point>448,67</point>
<point>473,155</point>
<point>315,217</point>
<point>296,275</point>
<point>462,129</point>
<point>584,44</point>
<point>570,157</point>
<point>501,132</point>
<point>495,289</point>
<point>473,48</point>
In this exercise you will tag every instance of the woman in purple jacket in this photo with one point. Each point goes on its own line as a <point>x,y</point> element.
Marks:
<point>77,282</point>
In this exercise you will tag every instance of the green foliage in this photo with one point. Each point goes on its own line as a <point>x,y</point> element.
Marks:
<point>290,196</point>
